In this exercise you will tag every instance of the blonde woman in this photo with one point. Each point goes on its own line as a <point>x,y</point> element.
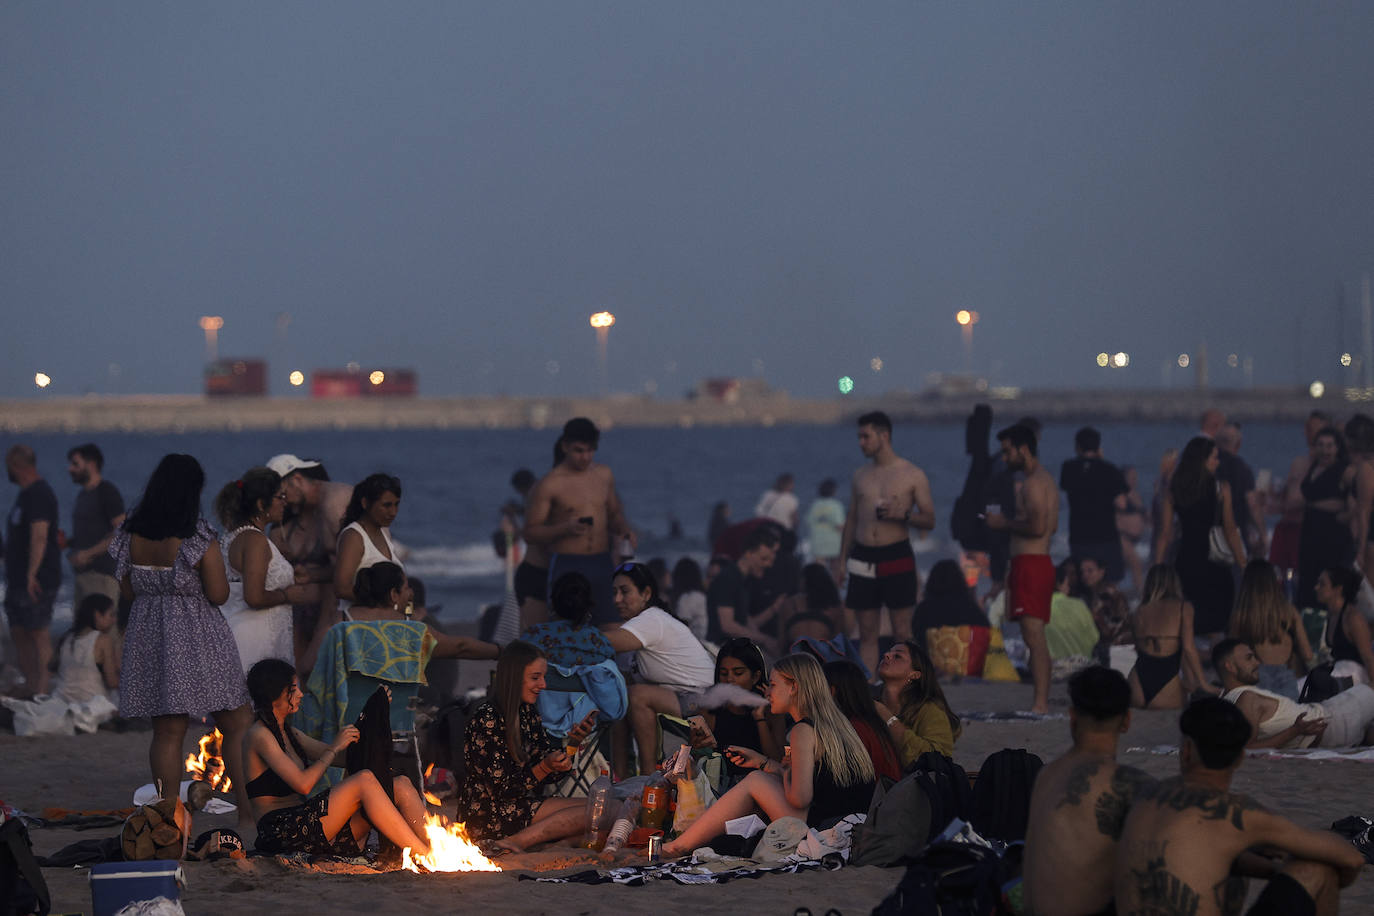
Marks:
<point>825,772</point>
<point>1167,666</point>
<point>1266,620</point>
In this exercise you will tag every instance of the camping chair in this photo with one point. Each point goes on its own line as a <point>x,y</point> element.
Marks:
<point>356,657</point>
<point>569,694</point>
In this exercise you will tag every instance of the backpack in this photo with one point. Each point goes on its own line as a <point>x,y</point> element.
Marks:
<point>947,879</point>
<point>22,888</point>
<point>905,816</point>
<point>1001,794</point>
<point>446,735</point>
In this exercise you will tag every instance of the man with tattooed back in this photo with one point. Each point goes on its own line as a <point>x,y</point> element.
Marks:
<point>1080,802</point>
<point>1190,842</point>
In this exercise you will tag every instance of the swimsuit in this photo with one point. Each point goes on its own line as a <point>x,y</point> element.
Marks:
<point>298,829</point>
<point>270,783</point>
<point>831,801</point>
<point>1343,648</point>
<point>1156,671</point>
<point>531,582</point>
<point>1030,586</point>
<point>881,577</point>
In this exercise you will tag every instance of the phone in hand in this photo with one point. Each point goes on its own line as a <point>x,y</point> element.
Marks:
<point>698,723</point>
<point>587,520</point>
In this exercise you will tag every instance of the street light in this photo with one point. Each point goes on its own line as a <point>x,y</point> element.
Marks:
<point>602,321</point>
<point>42,379</point>
<point>211,324</point>
<point>967,319</point>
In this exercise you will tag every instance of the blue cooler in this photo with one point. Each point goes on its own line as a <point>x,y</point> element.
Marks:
<point>115,885</point>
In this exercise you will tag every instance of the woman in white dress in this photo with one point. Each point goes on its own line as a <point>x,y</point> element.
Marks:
<point>366,535</point>
<point>261,581</point>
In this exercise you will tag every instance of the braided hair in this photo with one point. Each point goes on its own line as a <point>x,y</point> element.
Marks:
<point>267,680</point>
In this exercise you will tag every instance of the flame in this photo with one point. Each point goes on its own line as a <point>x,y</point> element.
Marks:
<point>449,850</point>
<point>208,766</point>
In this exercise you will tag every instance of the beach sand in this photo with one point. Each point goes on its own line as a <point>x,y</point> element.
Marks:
<point>101,771</point>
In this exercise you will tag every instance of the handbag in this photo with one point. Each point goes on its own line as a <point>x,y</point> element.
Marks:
<point>1218,548</point>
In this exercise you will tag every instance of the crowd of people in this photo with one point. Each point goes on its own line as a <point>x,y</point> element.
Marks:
<point>835,664</point>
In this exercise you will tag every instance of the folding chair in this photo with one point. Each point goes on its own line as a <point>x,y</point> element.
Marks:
<point>569,694</point>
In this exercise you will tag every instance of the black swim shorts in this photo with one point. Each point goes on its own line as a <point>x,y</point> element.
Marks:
<point>881,577</point>
<point>1284,895</point>
<point>531,582</point>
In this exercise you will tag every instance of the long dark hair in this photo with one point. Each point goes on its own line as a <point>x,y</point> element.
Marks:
<point>83,617</point>
<point>744,649</point>
<point>819,587</point>
<point>375,583</point>
<point>369,490</point>
<point>170,505</point>
<point>850,687</point>
<point>1191,481</point>
<point>643,579</point>
<point>267,680</point>
<point>924,689</point>
<point>686,577</point>
<point>240,500</point>
<point>508,687</point>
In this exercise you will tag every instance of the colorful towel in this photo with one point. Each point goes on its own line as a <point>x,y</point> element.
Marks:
<point>390,650</point>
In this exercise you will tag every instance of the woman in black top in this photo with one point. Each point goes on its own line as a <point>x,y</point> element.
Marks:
<point>1325,538</point>
<point>740,662</point>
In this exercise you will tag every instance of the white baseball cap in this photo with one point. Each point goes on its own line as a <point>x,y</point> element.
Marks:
<point>285,465</point>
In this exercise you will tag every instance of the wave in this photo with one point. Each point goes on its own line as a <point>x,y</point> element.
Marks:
<point>465,561</point>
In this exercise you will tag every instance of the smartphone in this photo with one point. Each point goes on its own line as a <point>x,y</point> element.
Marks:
<point>699,723</point>
<point>587,520</point>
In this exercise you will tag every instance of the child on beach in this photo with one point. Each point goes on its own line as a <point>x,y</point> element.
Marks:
<point>87,666</point>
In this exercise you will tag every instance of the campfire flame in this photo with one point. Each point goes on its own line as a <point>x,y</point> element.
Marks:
<point>208,766</point>
<point>449,850</point>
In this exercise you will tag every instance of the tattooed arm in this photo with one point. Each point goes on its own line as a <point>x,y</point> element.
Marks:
<point>1313,845</point>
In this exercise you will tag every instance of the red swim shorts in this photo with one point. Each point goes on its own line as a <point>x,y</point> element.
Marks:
<point>1030,586</point>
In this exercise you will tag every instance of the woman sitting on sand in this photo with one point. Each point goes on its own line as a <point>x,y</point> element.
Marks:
<point>923,720</point>
<point>568,638</point>
<point>850,689</point>
<point>1346,633</point>
<point>689,597</point>
<point>383,593</point>
<point>740,662</point>
<point>825,772</point>
<point>1264,618</point>
<point>285,764</point>
<point>509,757</point>
<point>1167,667</point>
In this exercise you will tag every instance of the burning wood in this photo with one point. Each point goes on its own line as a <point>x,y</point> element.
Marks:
<point>449,850</point>
<point>208,765</point>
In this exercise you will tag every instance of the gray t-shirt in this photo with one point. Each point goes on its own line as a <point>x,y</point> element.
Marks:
<point>92,521</point>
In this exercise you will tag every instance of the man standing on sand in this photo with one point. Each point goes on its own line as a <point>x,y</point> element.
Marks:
<point>1080,802</point>
<point>575,513</point>
<point>33,568</point>
<point>1092,485</point>
<point>98,511</point>
<point>1030,582</point>
<point>888,498</point>
<point>309,539</point>
<point>1187,844</point>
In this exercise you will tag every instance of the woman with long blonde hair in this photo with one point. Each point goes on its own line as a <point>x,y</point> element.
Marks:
<point>1264,618</point>
<point>825,772</point>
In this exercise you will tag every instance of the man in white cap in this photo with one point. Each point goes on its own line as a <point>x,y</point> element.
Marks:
<point>308,538</point>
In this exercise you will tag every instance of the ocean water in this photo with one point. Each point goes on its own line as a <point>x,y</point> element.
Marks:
<point>455,481</point>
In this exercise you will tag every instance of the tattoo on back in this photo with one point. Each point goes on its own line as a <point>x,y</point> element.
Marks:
<point>1080,781</point>
<point>1114,804</point>
<point>1229,894</point>
<point>1160,892</point>
<point>1213,805</point>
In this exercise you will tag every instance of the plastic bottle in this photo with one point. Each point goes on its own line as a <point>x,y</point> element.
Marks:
<point>654,803</point>
<point>599,810</point>
<point>624,825</point>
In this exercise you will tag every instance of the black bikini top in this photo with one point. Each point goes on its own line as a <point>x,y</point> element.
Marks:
<point>269,783</point>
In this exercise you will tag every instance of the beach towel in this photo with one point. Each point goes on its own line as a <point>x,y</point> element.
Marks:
<point>603,690</point>
<point>1360,754</point>
<point>395,651</point>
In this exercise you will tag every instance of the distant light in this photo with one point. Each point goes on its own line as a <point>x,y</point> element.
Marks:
<point>41,379</point>
<point>1232,360</point>
<point>552,367</point>
<point>1346,359</point>
<point>377,377</point>
<point>1121,360</point>
<point>1103,360</point>
<point>1316,389</point>
<point>1183,360</point>
<point>353,366</point>
<point>965,317</point>
<point>297,378</point>
<point>601,320</point>
<point>876,364</point>
<point>846,384</point>
<point>211,322</point>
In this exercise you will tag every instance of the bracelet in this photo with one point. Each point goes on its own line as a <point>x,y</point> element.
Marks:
<point>891,720</point>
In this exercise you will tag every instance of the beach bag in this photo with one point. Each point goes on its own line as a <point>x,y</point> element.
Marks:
<point>947,879</point>
<point>1001,794</point>
<point>898,824</point>
<point>996,665</point>
<point>22,888</point>
<point>694,796</point>
<point>156,831</point>
<point>1323,684</point>
<point>958,651</point>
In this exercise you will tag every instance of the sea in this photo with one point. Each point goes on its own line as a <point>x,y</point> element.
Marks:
<point>455,481</point>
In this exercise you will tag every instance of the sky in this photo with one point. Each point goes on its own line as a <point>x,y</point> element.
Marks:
<point>776,189</point>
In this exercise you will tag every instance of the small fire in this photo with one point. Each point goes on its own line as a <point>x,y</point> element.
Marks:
<point>449,850</point>
<point>208,766</point>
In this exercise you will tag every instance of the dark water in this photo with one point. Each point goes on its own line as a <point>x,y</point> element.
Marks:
<point>455,481</point>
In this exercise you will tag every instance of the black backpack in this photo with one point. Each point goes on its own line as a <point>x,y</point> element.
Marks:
<point>22,888</point>
<point>1001,794</point>
<point>948,788</point>
<point>947,879</point>
<point>446,735</point>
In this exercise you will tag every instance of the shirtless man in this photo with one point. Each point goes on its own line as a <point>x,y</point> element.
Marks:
<point>1030,582</point>
<point>574,513</point>
<point>888,498</point>
<point>1190,842</point>
<point>1080,802</point>
<point>309,538</point>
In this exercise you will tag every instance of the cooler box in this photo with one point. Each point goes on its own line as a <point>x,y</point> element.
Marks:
<point>114,885</point>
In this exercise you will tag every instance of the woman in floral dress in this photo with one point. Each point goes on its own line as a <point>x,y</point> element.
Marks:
<point>180,658</point>
<point>509,755</point>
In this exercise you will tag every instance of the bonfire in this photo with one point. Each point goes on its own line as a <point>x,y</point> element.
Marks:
<point>208,765</point>
<point>450,849</point>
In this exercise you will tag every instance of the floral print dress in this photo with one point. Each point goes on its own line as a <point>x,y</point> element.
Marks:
<point>498,797</point>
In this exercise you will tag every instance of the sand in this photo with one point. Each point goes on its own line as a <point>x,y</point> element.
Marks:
<point>102,770</point>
